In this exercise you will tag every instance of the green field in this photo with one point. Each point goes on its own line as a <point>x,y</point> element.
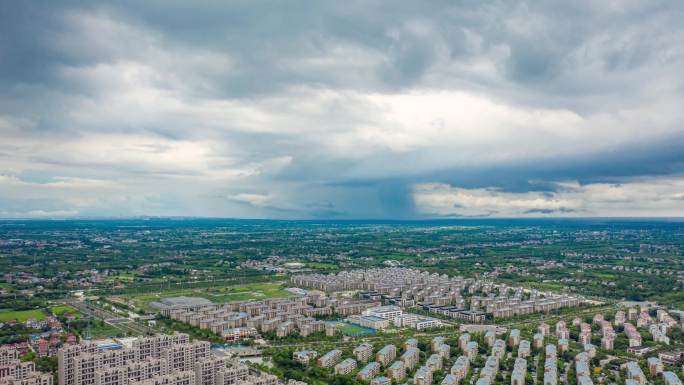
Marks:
<point>249,291</point>
<point>543,285</point>
<point>255,291</point>
<point>21,315</point>
<point>97,329</point>
<point>60,310</point>
<point>121,277</point>
<point>321,265</point>
<point>104,331</point>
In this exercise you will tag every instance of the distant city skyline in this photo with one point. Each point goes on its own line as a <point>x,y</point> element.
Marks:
<point>341,110</point>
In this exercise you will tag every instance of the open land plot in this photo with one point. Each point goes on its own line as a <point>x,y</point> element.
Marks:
<point>121,277</point>
<point>104,330</point>
<point>21,315</point>
<point>243,292</point>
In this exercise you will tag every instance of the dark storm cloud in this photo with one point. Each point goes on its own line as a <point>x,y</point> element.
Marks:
<point>653,158</point>
<point>262,36</point>
<point>300,110</point>
<point>549,211</point>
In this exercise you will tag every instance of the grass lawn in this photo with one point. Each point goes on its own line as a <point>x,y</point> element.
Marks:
<point>21,315</point>
<point>59,310</point>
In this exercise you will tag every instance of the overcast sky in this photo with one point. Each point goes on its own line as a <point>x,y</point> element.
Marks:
<point>341,109</point>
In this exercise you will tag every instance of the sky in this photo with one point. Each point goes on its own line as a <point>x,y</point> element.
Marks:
<point>341,109</point>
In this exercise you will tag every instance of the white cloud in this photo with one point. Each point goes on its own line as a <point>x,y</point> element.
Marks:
<point>57,182</point>
<point>258,200</point>
<point>39,214</point>
<point>144,92</point>
<point>128,113</point>
<point>380,135</point>
<point>649,197</point>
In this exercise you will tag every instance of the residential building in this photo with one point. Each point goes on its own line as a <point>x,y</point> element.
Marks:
<point>15,372</point>
<point>396,371</point>
<point>519,372</point>
<point>369,321</point>
<point>410,343</point>
<point>655,366</point>
<point>672,357</point>
<point>434,362</point>
<point>489,338</point>
<point>449,379</point>
<point>386,355</point>
<point>460,368</point>
<point>346,366</point>
<point>470,350</point>
<point>671,378</point>
<point>304,356</point>
<point>382,380</point>
<point>369,371</point>
<point>635,373</point>
<point>514,338</point>
<point>423,376</point>
<point>158,360</point>
<point>388,312</point>
<point>363,352</point>
<point>410,357</point>
<point>330,358</point>
<point>463,341</point>
<point>524,349</point>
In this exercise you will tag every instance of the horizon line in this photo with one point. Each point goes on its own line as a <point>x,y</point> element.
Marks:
<point>426,219</point>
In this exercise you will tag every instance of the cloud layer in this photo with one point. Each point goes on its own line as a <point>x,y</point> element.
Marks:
<point>341,110</point>
<point>660,197</point>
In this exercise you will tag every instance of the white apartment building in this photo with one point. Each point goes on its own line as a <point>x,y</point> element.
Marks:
<point>389,312</point>
<point>159,360</point>
<point>363,352</point>
<point>345,367</point>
